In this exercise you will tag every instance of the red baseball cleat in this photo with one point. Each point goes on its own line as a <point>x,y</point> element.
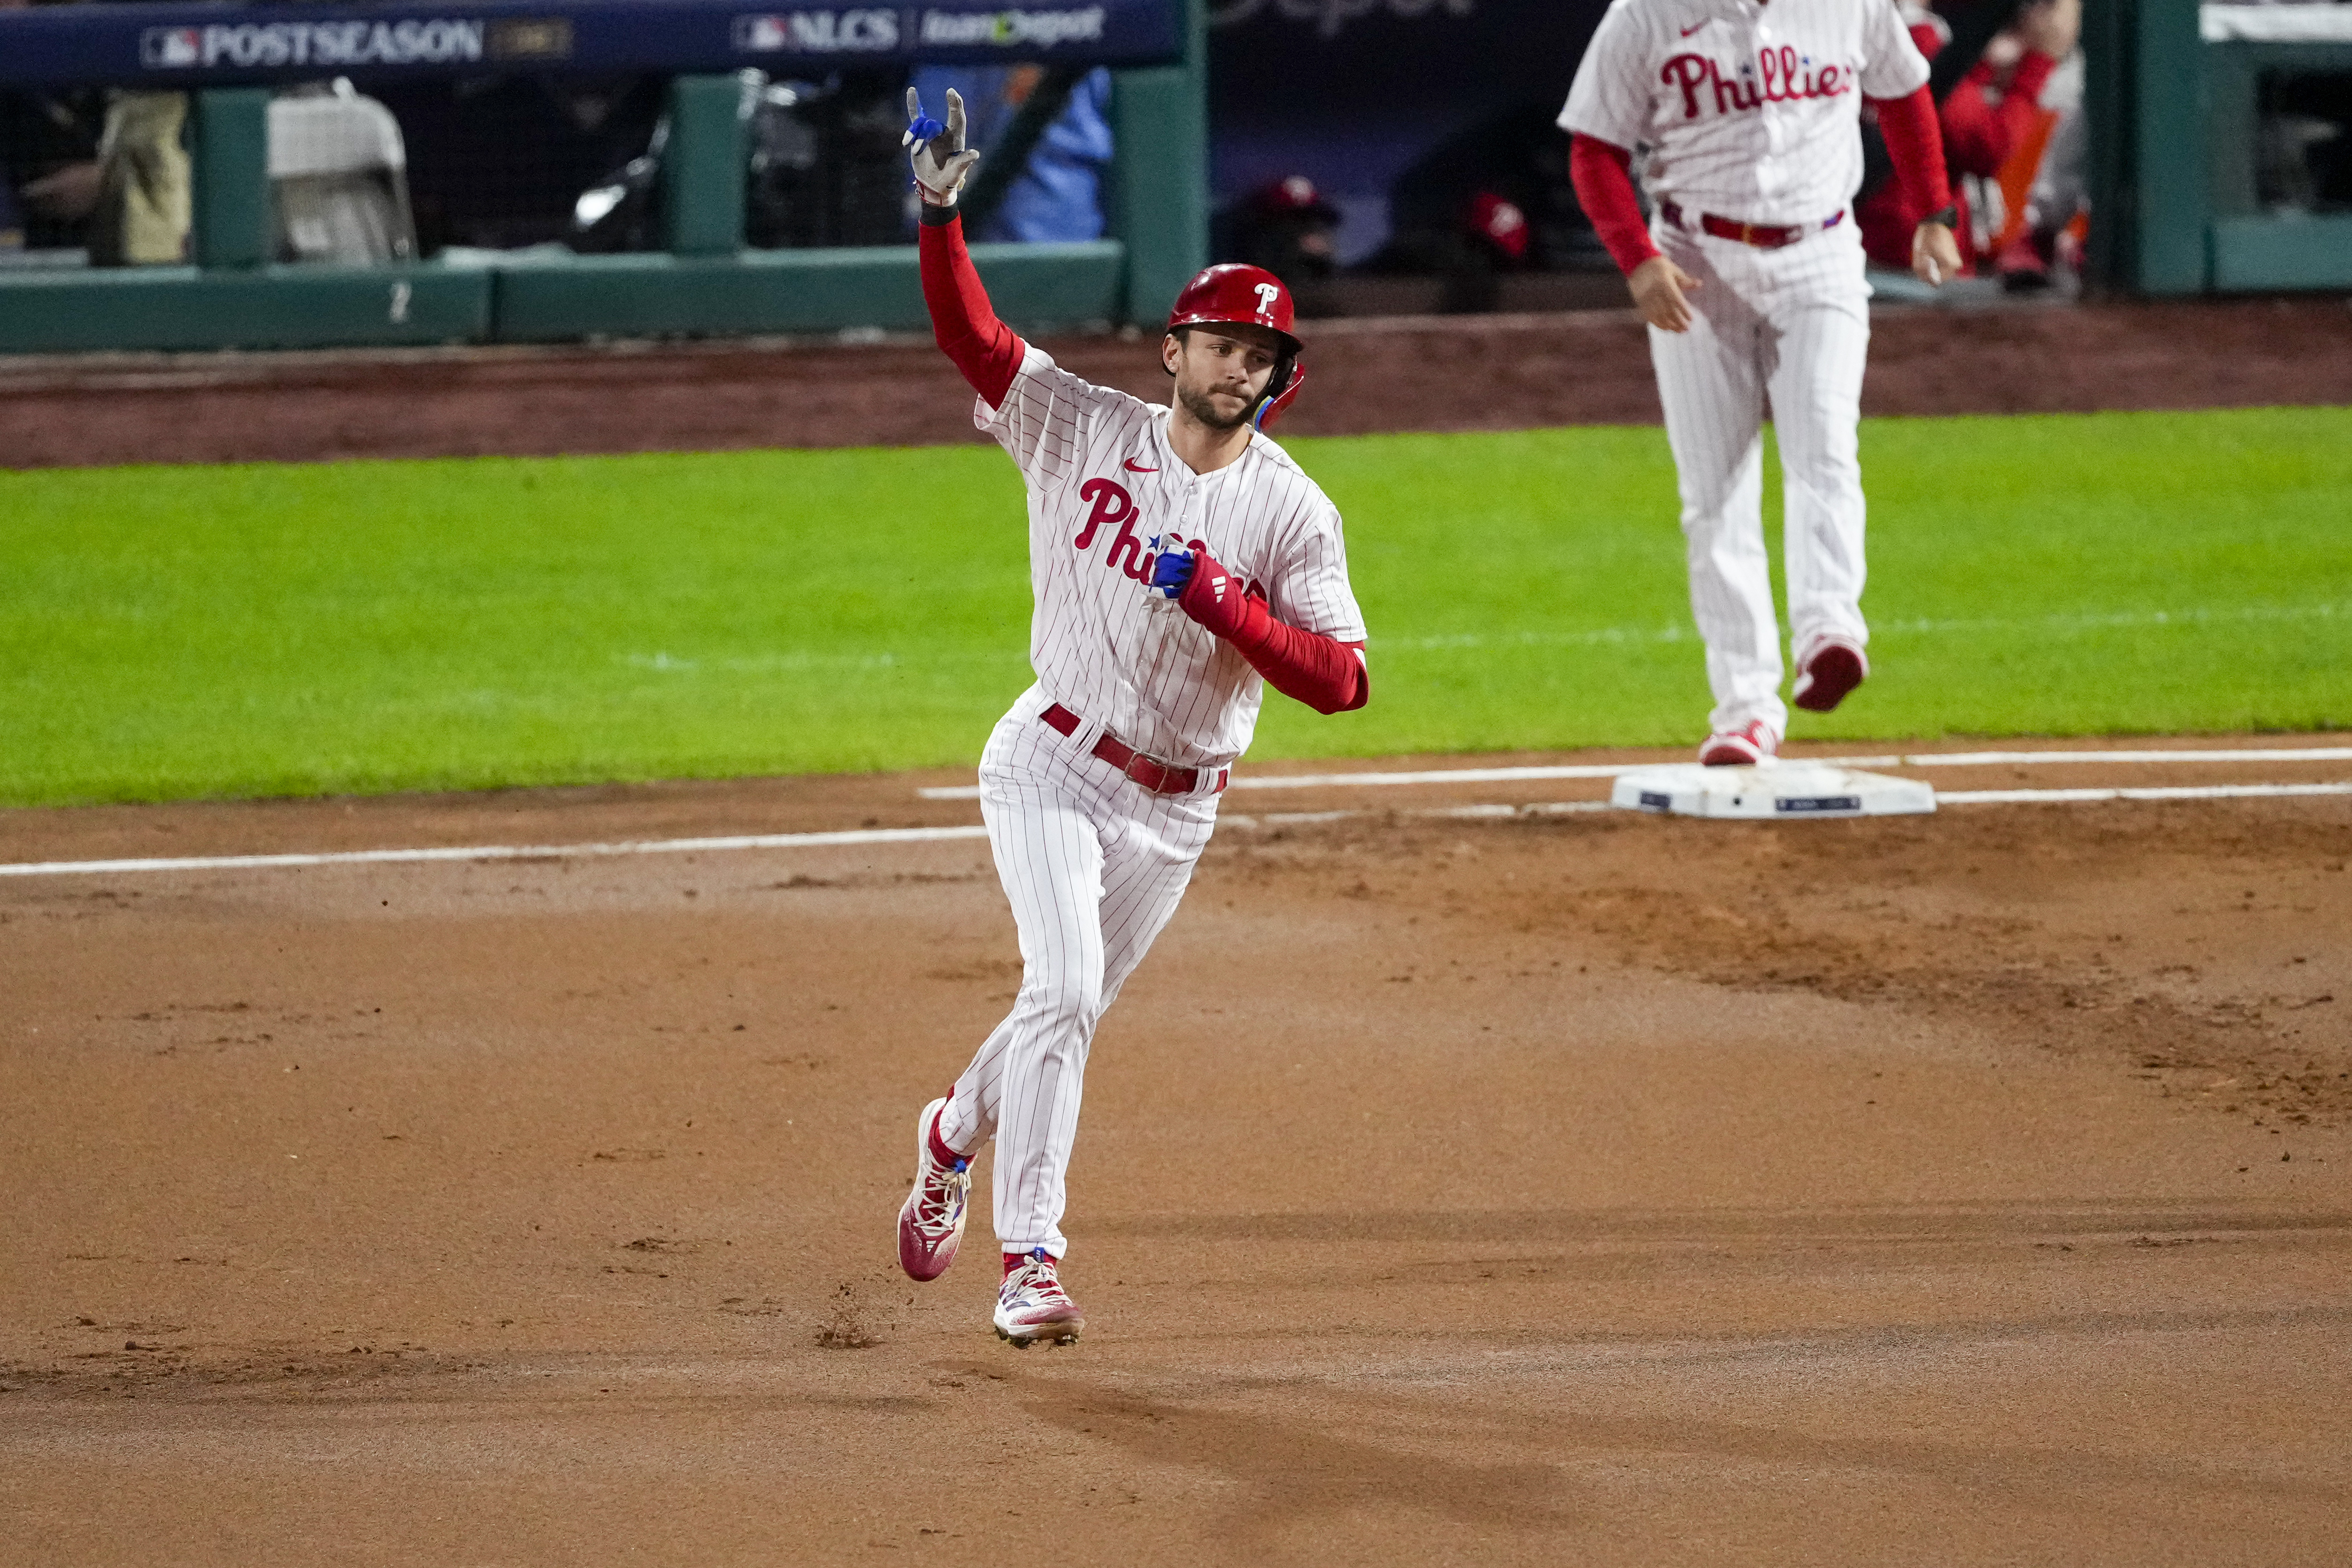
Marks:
<point>1834,668</point>
<point>1752,742</point>
<point>930,1221</point>
<point>1031,1305</point>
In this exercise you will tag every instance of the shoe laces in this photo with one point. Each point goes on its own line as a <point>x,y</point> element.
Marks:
<point>945,1188</point>
<point>1037,1280</point>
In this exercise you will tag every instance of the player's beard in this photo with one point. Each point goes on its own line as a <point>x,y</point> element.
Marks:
<point>1201,406</point>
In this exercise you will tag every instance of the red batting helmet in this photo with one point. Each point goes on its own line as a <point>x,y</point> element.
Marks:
<point>1235,294</point>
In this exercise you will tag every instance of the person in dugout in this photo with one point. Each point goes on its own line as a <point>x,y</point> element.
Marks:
<point>1993,108</point>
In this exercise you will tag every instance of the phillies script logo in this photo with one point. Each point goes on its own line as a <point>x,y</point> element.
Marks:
<point>1781,76</point>
<point>1113,504</point>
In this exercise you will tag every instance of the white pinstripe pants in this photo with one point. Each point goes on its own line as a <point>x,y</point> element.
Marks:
<point>1795,323</point>
<point>1093,865</point>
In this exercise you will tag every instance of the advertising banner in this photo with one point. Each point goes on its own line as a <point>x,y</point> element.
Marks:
<point>192,45</point>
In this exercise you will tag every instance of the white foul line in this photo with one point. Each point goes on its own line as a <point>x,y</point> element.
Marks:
<point>1611,770</point>
<point>935,835</point>
<point>2183,792</point>
<point>495,852</point>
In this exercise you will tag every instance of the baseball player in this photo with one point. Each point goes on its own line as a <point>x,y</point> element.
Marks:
<point>1177,557</point>
<point>1750,276</point>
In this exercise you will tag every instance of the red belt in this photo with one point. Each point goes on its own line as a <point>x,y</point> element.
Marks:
<point>1763,236</point>
<point>1158,777</point>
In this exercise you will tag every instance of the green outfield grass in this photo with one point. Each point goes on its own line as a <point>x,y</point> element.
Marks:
<point>168,633</point>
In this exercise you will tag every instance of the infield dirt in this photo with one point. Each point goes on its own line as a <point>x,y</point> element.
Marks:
<point>1599,1189</point>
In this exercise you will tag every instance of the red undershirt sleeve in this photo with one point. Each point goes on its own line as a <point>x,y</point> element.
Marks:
<point>1602,175</point>
<point>988,352</point>
<point>1916,144</point>
<point>1323,672</point>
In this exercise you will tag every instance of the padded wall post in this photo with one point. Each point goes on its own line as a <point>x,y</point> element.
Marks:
<point>703,166</point>
<point>234,222</point>
<point>2170,202</point>
<point>1158,196</point>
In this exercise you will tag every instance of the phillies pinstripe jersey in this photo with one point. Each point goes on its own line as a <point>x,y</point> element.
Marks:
<point>1103,482</point>
<point>1748,109</point>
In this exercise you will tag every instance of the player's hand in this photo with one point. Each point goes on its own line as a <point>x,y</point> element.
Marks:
<point>1172,567</point>
<point>1215,598</point>
<point>69,193</point>
<point>1935,254</point>
<point>940,159</point>
<point>2051,26</point>
<point>1658,286</point>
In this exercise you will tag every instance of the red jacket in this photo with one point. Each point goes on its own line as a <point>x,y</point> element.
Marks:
<point>1982,126</point>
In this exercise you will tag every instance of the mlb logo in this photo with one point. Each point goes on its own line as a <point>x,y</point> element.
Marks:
<point>763,35</point>
<point>171,48</point>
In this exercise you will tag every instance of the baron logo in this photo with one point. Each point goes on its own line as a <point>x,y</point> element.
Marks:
<point>1010,29</point>
<point>415,41</point>
<point>870,30</point>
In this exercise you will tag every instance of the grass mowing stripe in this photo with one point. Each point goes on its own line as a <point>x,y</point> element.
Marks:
<point>2057,623</point>
<point>287,629</point>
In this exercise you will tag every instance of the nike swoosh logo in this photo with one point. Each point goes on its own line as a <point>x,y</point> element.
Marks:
<point>1694,27</point>
<point>1135,467</point>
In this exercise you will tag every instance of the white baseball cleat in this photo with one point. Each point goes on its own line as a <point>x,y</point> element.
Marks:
<point>930,1221</point>
<point>1751,743</point>
<point>1031,1305</point>
<point>1834,668</point>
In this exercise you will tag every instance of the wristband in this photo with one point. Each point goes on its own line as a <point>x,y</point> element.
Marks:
<point>1949,217</point>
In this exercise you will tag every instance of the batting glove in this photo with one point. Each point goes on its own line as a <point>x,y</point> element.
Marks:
<point>1217,598</point>
<point>1172,567</point>
<point>940,159</point>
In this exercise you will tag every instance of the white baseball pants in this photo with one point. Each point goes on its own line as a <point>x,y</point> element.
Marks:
<point>1093,865</point>
<point>1793,322</point>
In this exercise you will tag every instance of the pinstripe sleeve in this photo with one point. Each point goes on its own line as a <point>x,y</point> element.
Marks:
<point>1043,418</point>
<point>1892,66</point>
<point>1310,588</point>
<point>1609,98</point>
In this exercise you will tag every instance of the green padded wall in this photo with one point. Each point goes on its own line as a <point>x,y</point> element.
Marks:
<point>1157,200</point>
<point>702,166</point>
<point>127,308</point>
<point>756,291</point>
<point>2167,180</point>
<point>234,224</point>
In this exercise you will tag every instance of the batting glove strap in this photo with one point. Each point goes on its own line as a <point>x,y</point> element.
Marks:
<point>1172,567</point>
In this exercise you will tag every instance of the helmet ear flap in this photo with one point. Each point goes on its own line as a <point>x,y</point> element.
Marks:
<point>1289,375</point>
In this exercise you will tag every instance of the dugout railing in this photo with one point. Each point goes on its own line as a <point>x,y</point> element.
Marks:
<point>703,279</point>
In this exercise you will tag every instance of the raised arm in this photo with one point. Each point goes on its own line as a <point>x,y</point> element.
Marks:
<point>986,350</point>
<point>1979,134</point>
